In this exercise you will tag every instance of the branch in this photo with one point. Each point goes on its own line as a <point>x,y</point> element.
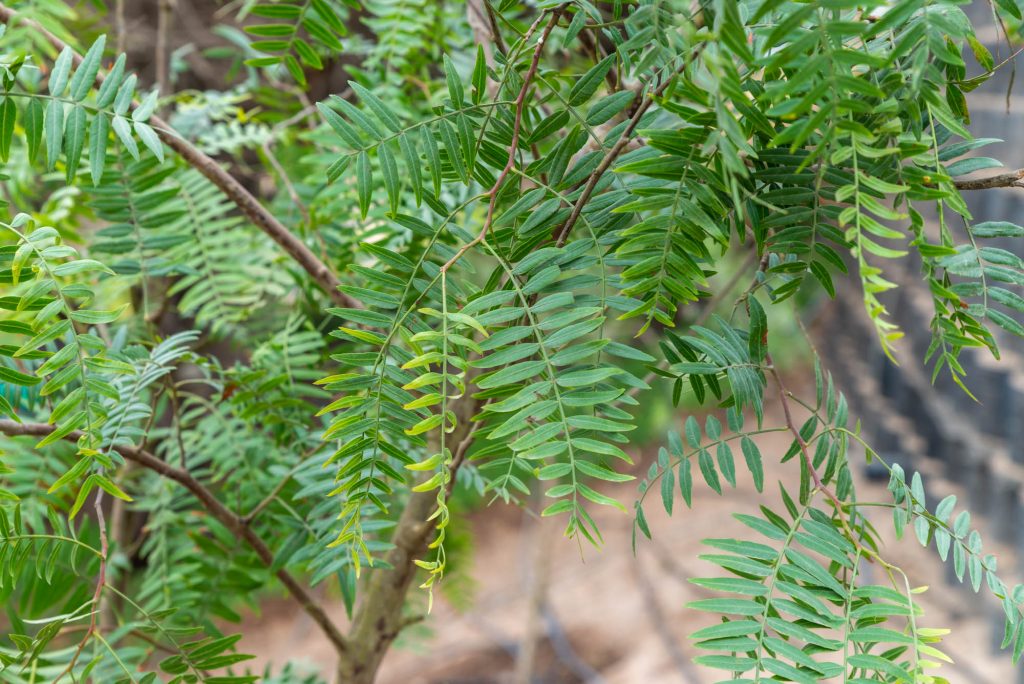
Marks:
<point>808,462</point>
<point>227,183</point>
<point>514,146</point>
<point>642,101</point>
<point>1012,179</point>
<point>218,510</point>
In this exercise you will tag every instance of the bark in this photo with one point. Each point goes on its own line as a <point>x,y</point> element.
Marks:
<point>379,618</point>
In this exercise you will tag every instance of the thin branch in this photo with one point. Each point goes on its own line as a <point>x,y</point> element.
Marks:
<point>495,31</point>
<point>216,509</point>
<point>661,623</point>
<point>101,581</point>
<point>279,487</point>
<point>1011,179</point>
<point>228,184</point>
<point>784,396</point>
<point>120,26</point>
<point>514,146</point>
<point>643,102</point>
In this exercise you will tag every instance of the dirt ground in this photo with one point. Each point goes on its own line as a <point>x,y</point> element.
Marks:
<point>612,617</point>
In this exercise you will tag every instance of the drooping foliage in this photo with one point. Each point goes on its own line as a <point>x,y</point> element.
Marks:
<point>519,213</point>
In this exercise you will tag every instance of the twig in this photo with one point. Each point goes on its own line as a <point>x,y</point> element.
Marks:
<point>564,650</point>
<point>535,535</point>
<point>495,31</point>
<point>1011,179</point>
<point>807,460</point>
<point>459,457</point>
<point>282,483</point>
<point>643,101</point>
<point>120,26</point>
<point>216,509</point>
<point>514,146</point>
<point>228,184</point>
<point>100,583</point>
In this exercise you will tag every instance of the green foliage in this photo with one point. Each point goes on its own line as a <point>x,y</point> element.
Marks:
<point>522,211</point>
<point>301,32</point>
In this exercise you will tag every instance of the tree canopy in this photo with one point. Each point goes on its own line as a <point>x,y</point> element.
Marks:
<point>283,323</point>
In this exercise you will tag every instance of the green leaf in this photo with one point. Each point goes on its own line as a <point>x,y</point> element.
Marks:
<point>407,144</point>
<point>668,486</point>
<point>588,84</point>
<point>80,266</point>
<point>123,131</point>
<point>758,338</point>
<point>74,140</point>
<point>32,120</point>
<point>124,96</point>
<point>54,128</point>
<point>85,75</point>
<point>98,138</point>
<point>479,75</point>
<point>107,485</point>
<point>97,317</point>
<point>149,138</point>
<point>8,114</point>
<point>752,455</point>
<point>58,82</point>
<point>381,110</point>
<point>389,169</point>
<point>364,182</point>
<point>728,606</point>
<point>692,430</point>
<point>146,107</point>
<point>584,378</point>
<point>83,494</point>
<point>451,76</point>
<point>686,481</point>
<point>707,469</point>
<point>605,108</point>
<point>107,91</point>
<point>17,377</point>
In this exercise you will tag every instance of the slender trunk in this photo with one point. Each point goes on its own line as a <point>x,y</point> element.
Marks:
<point>379,619</point>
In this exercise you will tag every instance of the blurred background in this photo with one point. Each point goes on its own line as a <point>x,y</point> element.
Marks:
<point>522,604</point>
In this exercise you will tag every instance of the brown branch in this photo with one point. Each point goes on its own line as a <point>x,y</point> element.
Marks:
<point>643,101</point>
<point>120,26</point>
<point>514,146</point>
<point>1012,179</point>
<point>228,184</point>
<point>216,509</point>
<point>808,462</point>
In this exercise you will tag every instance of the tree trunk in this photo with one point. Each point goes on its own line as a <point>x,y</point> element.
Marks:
<point>379,619</point>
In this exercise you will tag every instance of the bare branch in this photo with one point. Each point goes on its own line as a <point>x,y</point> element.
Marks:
<point>218,510</point>
<point>228,184</point>
<point>1012,179</point>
